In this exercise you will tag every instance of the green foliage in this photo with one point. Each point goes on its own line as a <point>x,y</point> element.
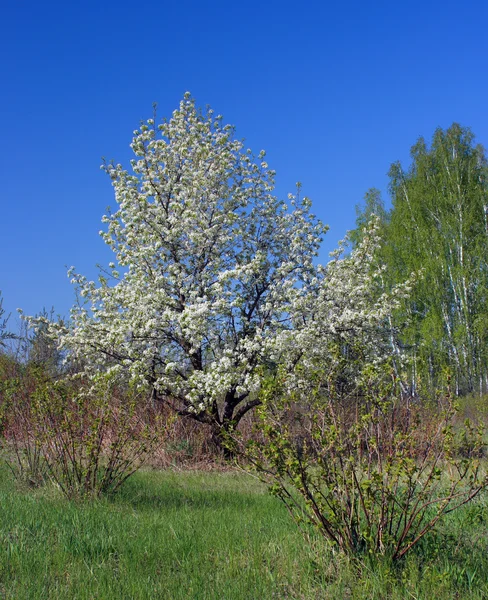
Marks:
<point>438,225</point>
<point>372,471</point>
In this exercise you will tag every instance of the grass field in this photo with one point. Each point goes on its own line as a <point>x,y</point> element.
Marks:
<point>213,536</point>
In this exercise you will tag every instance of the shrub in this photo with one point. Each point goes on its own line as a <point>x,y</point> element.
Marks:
<point>372,471</point>
<point>23,448</point>
<point>87,440</point>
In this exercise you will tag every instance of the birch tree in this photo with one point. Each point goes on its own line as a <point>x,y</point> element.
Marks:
<point>439,225</point>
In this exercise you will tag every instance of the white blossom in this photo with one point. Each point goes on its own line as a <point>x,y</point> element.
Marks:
<point>215,275</point>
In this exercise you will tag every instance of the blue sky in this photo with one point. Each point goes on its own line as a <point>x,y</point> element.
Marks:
<point>333,91</point>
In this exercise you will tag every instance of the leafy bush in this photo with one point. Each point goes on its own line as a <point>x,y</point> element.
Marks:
<point>372,471</point>
<point>88,440</point>
<point>18,422</point>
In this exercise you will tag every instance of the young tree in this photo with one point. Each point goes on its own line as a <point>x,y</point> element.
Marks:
<point>210,263</point>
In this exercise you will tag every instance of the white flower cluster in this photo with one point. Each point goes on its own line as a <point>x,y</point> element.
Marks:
<point>345,306</point>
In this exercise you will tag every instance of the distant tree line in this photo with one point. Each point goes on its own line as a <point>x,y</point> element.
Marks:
<point>438,227</point>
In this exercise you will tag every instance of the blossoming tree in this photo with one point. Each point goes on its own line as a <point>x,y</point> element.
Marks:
<point>215,281</point>
<point>210,264</point>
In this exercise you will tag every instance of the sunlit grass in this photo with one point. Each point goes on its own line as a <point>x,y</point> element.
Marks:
<point>211,536</point>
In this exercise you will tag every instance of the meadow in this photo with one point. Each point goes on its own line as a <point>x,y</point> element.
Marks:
<point>213,535</point>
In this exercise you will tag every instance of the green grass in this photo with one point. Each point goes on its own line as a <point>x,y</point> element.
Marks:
<point>215,536</point>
